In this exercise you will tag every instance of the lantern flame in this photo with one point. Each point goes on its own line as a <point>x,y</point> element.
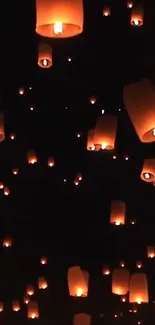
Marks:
<point>58,28</point>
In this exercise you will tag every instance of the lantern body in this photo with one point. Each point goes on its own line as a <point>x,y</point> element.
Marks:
<point>44,56</point>
<point>51,162</point>
<point>150,252</point>
<point>15,305</point>
<point>30,290</point>
<point>31,157</point>
<point>77,282</point>
<point>43,260</point>
<point>139,99</point>
<point>26,299</point>
<point>2,132</point>
<point>42,283</point>
<point>105,132</point>
<point>82,319</point>
<point>148,170</point>
<point>120,281</point>
<point>7,242</point>
<point>33,310</point>
<point>106,11</point>
<point>106,270</point>
<point>137,16</point>
<point>59,18</point>
<point>90,140</point>
<point>117,215</point>
<point>129,4</point>
<point>1,306</point>
<point>138,290</point>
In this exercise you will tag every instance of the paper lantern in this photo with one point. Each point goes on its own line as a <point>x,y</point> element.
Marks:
<point>148,170</point>
<point>42,283</point>
<point>1,185</point>
<point>26,300</point>
<point>15,171</point>
<point>139,99</point>
<point>15,305</point>
<point>120,281</point>
<point>139,264</point>
<point>117,214</point>
<point>105,132</point>
<point>137,16</point>
<point>6,190</point>
<point>90,140</point>
<point>77,284</point>
<point>43,260</point>
<point>138,289</point>
<point>31,157</point>
<point>106,11</point>
<point>82,319</point>
<point>33,310</point>
<point>129,4</point>
<point>1,306</point>
<point>59,18</point>
<point>21,91</point>
<point>2,132</point>
<point>150,252</point>
<point>30,290</point>
<point>7,242</point>
<point>106,270</point>
<point>44,56</point>
<point>51,162</point>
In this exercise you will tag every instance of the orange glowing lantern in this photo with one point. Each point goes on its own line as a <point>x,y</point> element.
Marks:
<point>90,140</point>
<point>120,281</point>
<point>15,305</point>
<point>129,4</point>
<point>106,11</point>
<point>1,306</point>
<point>15,171</point>
<point>77,284</point>
<point>122,264</point>
<point>44,56</point>
<point>150,252</point>
<point>139,264</point>
<point>33,310</point>
<point>124,299</point>
<point>92,100</point>
<point>82,319</point>
<point>105,132</point>
<point>26,300</point>
<point>42,283</point>
<point>137,16</point>
<point>30,290</point>
<point>117,215</point>
<point>138,292</point>
<point>106,270</point>
<point>51,162</point>
<point>79,177</point>
<point>12,136</point>
<point>148,170</point>
<point>6,190</point>
<point>43,260</point>
<point>59,19</point>
<point>7,242</point>
<point>31,156</point>
<point>2,132</point>
<point>1,185</point>
<point>21,91</point>
<point>139,99</point>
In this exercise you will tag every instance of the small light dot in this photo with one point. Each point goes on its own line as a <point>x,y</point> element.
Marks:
<point>103,111</point>
<point>69,59</point>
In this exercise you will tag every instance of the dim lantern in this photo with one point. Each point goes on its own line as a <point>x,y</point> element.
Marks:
<point>31,157</point>
<point>44,56</point>
<point>77,282</point>
<point>15,305</point>
<point>150,252</point>
<point>33,310</point>
<point>106,11</point>
<point>82,319</point>
<point>42,283</point>
<point>138,289</point>
<point>117,214</point>
<point>148,170</point>
<point>120,281</point>
<point>2,132</point>
<point>137,16</point>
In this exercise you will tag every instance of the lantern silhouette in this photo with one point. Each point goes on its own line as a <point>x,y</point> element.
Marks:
<point>105,132</point>
<point>2,132</point>
<point>120,281</point>
<point>30,290</point>
<point>1,306</point>
<point>59,19</point>
<point>90,140</point>
<point>31,156</point>
<point>148,170</point>
<point>33,310</point>
<point>150,252</point>
<point>106,270</point>
<point>138,289</point>
<point>77,282</point>
<point>44,56</point>
<point>106,11</point>
<point>82,319</point>
<point>139,99</point>
<point>15,305</point>
<point>137,16</point>
<point>42,283</point>
<point>117,215</point>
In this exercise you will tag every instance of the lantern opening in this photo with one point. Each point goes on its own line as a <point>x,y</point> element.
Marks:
<point>58,28</point>
<point>136,22</point>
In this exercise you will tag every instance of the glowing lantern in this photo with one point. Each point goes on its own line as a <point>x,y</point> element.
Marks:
<point>106,270</point>
<point>2,132</point>
<point>117,215</point>
<point>82,319</point>
<point>1,185</point>
<point>15,171</point>
<point>106,11</point>
<point>30,290</point>
<point>77,284</point>
<point>79,177</point>
<point>51,162</point>
<point>44,56</point>
<point>90,140</point>
<point>26,300</point>
<point>21,91</point>
<point>12,136</point>
<point>137,16</point>
<point>76,182</point>
<point>7,242</point>
<point>92,100</point>
<point>123,299</point>
<point>105,132</point>
<point>129,4</point>
<point>42,283</point>
<point>59,19</point>
<point>15,305</point>
<point>148,170</point>
<point>139,264</point>
<point>122,264</point>
<point>31,156</point>
<point>139,99</point>
<point>120,281</point>
<point>33,310</point>
<point>138,292</point>
<point>1,306</point>
<point>43,260</point>
<point>150,252</point>
<point>6,190</point>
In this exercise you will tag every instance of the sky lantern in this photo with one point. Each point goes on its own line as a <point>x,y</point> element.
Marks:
<point>129,4</point>
<point>7,242</point>
<point>33,310</point>
<point>150,251</point>
<point>117,214</point>
<point>138,290</point>
<point>42,283</point>
<point>26,299</point>
<point>43,260</point>
<point>105,132</point>
<point>106,11</point>
<point>21,91</point>
<point>2,132</point>
<point>77,282</point>
<point>90,140</point>
<point>1,306</point>
<point>31,157</point>
<point>44,56</point>
<point>139,264</point>
<point>82,319</point>
<point>51,162</point>
<point>30,290</point>
<point>6,190</point>
<point>137,14</point>
<point>106,270</point>
<point>15,305</point>
<point>1,185</point>
<point>139,100</point>
<point>59,19</point>
<point>148,170</point>
<point>120,281</point>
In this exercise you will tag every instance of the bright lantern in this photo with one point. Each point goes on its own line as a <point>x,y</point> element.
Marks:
<point>44,56</point>
<point>7,242</point>
<point>15,305</point>
<point>137,16</point>
<point>77,282</point>
<point>120,281</point>
<point>32,158</point>
<point>138,292</point>
<point>42,283</point>
<point>150,252</point>
<point>33,310</point>
<point>30,290</point>
<point>43,260</point>
<point>148,170</point>
<point>117,214</point>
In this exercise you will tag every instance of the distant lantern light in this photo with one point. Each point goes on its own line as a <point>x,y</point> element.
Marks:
<point>120,281</point>
<point>105,132</point>
<point>15,171</point>
<point>90,140</point>
<point>139,264</point>
<point>42,283</point>
<point>129,4</point>
<point>21,91</point>
<point>30,290</point>
<point>122,263</point>
<point>150,251</point>
<point>2,131</point>
<point>69,59</point>
<point>77,282</point>
<point>148,170</point>
<point>44,56</point>
<point>137,16</point>
<point>15,305</point>
<point>26,300</point>
<point>138,291</point>
<point>1,185</point>
<point>1,306</point>
<point>51,162</point>
<point>106,11</point>
<point>79,176</point>
<point>12,136</point>
<point>126,158</point>
<point>43,260</point>
<point>92,100</point>
<point>78,134</point>
<point>31,156</point>
<point>106,270</point>
<point>6,190</point>
<point>118,213</point>
<point>33,310</point>
<point>59,19</point>
<point>102,111</point>
<point>114,157</point>
<point>7,242</point>
<point>31,108</point>
<point>82,319</point>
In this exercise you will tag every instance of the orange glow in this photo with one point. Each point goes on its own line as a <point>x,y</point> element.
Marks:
<point>90,140</point>
<point>92,100</point>
<point>120,281</point>
<point>59,19</point>
<point>7,242</point>
<point>1,306</point>
<point>1,185</point>
<point>139,264</point>
<point>33,311</point>
<point>2,132</point>
<point>137,16</point>
<point>82,319</point>
<point>44,56</point>
<point>51,162</point>
<point>43,260</point>
<point>129,4</point>
<point>26,300</point>
<point>31,156</point>
<point>122,264</point>
<point>42,283</point>
<point>15,305</point>
<point>21,91</point>
<point>15,171</point>
<point>105,132</point>
<point>150,252</point>
<point>106,270</point>
<point>117,215</point>
<point>6,190</point>
<point>138,292</point>
<point>77,282</point>
<point>106,11</point>
<point>12,136</point>
<point>148,170</point>
<point>30,290</point>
